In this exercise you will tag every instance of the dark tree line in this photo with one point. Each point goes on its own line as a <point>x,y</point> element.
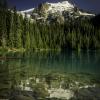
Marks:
<point>18,32</point>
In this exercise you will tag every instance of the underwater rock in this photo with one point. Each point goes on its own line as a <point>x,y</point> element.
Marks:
<point>61,93</point>
<point>88,94</point>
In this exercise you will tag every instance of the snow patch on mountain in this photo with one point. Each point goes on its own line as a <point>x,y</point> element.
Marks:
<point>60,6</point>
<point>86,14</point>
<point>27,11</point>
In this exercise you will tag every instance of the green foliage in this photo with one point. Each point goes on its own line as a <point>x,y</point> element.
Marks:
<point>18,32</point>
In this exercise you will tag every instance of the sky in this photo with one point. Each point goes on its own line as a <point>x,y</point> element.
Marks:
<point>88,5</point>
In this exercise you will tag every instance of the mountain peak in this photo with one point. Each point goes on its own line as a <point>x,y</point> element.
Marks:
<point>60,6</point>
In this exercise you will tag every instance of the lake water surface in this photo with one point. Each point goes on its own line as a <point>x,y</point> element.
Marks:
<point>45,75</point>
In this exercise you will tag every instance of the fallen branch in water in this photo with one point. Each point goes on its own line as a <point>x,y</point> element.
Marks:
<point>4,58</point>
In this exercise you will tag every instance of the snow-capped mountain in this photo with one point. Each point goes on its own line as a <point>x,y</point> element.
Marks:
<point>63,8</point>
<point>54,7</point>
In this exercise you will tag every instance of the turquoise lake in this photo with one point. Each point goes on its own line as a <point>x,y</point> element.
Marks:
<point>18,71</point>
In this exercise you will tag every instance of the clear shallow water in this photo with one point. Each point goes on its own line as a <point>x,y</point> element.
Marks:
<point>20,72</point>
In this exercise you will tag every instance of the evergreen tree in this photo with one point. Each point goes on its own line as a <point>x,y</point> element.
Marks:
<point>19,32</point>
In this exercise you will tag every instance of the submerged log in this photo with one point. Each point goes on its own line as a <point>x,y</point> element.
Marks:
<point>4,58</point>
